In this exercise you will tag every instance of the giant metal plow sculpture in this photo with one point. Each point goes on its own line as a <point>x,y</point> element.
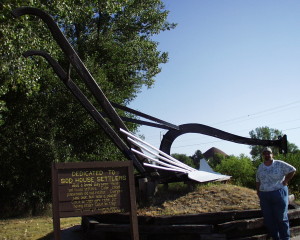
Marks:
<point>159,165</point>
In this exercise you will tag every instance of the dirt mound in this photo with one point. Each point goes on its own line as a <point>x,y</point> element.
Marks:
<point>211,198</point>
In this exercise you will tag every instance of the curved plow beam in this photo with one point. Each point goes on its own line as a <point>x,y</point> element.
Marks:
<point>166,162</point>
<point>171,135</point>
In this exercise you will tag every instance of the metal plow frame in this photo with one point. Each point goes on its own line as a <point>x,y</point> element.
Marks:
<point>125,145</point>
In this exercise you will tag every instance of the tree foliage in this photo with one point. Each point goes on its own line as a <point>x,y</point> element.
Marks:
<point>196,157</point>
<point>216,159</point>
<point>266,133</point>
<point>294,184</point>
<point>240,168</point>
<point>184,158</point>
<point>40,122</point>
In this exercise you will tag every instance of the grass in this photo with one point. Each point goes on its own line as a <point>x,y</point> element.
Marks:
<point>32,228</point>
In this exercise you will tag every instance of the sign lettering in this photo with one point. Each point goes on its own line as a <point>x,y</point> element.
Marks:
<point>88,188</point>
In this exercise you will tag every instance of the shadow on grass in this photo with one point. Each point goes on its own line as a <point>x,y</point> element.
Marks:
<point>174,191</point>
<point>49,236</point>
<point>72,233</point>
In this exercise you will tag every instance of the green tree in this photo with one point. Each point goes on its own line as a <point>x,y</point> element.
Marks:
<point>40,121</point>
<point>266,133</point>
<point>240,168</point>
<point>294,184</point>
<point>184,158</point>
<point>216,159</point>
<point>196,157</point>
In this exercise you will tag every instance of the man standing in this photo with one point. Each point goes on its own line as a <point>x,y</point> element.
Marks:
<point>272,178</point>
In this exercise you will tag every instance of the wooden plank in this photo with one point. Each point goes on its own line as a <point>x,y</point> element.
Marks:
<point>157,229</point>
<point>241,225</point>
<point>202,218</point>
<point>132,204</point>
<point>191,228</point>
<point>243,229</point>
<point>294,214</point>
<point>206,218</point>
<point>55,208</point>
<point>253,237</point>
<point>253,223</point>
<point>213,236</point>
<point>295,231</point>
<point>250,227</point>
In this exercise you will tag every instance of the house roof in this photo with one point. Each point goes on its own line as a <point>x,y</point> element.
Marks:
<point>213,151</point>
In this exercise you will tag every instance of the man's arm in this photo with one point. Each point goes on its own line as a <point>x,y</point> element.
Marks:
<point>257,187</point>
<point>288,177</point>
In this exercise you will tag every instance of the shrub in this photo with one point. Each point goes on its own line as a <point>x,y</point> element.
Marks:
<point>240,168</point>
<point>294,160</point>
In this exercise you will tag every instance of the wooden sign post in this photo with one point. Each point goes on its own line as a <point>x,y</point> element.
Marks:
<point>88,188</point>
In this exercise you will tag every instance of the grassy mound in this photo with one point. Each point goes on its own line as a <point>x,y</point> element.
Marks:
<point>205,198</point>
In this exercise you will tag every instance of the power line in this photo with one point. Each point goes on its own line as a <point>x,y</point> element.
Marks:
<point>198,144</point>
<point>257,113</point>
<point>265,112</point>
<point>291,129</point>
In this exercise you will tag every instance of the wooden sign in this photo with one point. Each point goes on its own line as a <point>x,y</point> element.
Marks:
<point>88,188</point>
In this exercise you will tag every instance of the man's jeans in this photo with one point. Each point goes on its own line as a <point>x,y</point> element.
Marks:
<point>274,206</point>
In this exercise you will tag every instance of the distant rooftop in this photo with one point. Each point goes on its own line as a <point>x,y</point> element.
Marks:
<point>213,151</point>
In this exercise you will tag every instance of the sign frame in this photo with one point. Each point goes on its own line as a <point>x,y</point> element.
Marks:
<point>126,166</point>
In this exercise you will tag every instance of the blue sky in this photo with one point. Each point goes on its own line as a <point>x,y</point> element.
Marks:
<point>233,65</point>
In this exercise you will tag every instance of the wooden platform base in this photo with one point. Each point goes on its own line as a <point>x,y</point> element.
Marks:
<point>236,225</point>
